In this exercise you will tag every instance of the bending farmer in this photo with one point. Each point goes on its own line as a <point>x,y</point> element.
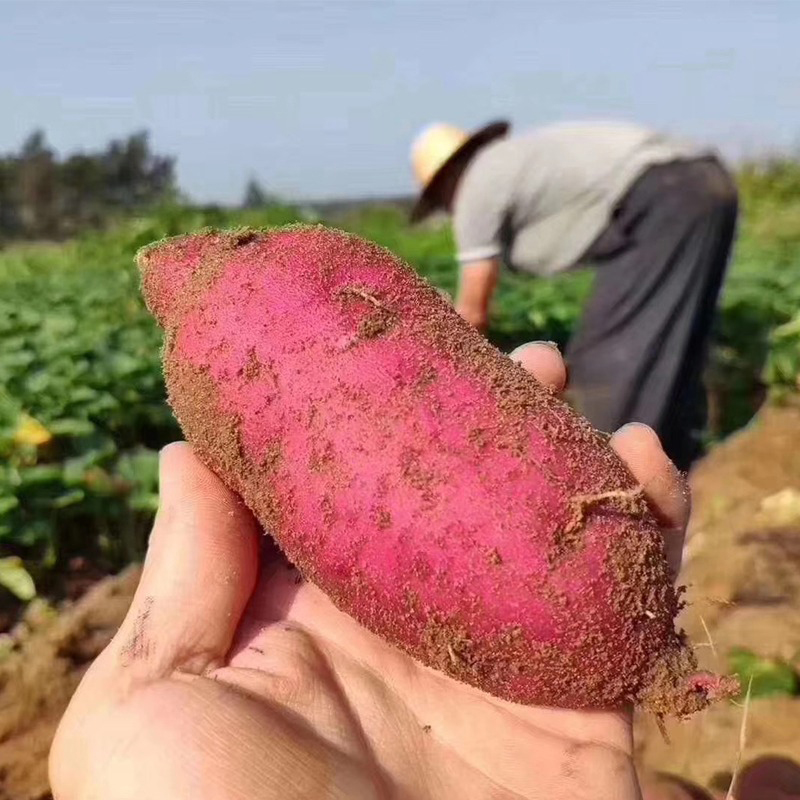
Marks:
<point>655,216</point>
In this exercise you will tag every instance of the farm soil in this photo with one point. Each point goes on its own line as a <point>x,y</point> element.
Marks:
<point>742,567</point>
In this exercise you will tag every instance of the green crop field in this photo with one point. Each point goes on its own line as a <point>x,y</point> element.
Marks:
<point>82,411</point>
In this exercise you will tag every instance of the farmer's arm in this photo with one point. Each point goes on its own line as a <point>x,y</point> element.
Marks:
<point>480,225</point>
<point>477,283</point>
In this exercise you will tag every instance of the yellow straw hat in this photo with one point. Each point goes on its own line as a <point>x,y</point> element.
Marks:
<point>436,150</point>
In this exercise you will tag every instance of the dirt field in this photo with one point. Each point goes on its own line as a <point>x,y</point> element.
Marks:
<point>37,680</point>
<point>742,567</point>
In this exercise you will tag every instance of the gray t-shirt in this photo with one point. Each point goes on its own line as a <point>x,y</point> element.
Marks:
<point>539,200</point>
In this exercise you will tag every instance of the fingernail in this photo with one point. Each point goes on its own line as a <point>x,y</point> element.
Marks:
<point>165,478</point>
<point>636,426</point>
<point>170,446</point>
<point>519,350</point>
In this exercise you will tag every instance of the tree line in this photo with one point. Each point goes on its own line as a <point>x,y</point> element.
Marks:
<point>43,195</point>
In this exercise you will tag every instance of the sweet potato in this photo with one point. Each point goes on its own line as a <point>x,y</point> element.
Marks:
<point>430,486</point>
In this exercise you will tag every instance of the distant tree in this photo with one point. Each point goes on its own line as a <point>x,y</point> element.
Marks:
<point>255,196</point>
<point>41,195</point>
<point>134,175</point>
<point>35,145</point>
<point>83,185</point>
<point>9,223</point>
<point>36,186</point>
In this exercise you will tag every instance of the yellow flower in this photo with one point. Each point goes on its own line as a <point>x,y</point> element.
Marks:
<point>31,431</point>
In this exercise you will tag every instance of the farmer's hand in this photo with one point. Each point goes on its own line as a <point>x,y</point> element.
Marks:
<point>476,284</point>
<point>477,317</point>
<point>224,683</point>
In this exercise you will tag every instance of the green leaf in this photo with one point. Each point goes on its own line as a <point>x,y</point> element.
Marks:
<point>791,328</point>
<point>70,498</point>
<point>8,503</point>
<point>15,578</point>
<point>140,469</point>
<point>39,531</point>
<point>40,475</point>
<point>141,501</point>
<point>71,427</point>
<point>769,676</point>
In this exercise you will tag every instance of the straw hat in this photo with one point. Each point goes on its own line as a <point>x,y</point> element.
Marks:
<point>436,152</point>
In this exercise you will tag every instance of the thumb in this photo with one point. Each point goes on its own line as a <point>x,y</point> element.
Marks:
<point>199,572</point>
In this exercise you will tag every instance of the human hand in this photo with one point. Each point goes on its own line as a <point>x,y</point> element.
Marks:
<point>476,285</point>
<point>227,681</point>
<point>478,317</point>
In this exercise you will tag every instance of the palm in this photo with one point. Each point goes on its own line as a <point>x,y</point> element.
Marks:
<point>311,705</point>
<point>225,683</point>
<point>404,729</point>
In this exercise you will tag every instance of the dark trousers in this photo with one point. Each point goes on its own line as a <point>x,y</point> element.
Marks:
<point>641,345</point>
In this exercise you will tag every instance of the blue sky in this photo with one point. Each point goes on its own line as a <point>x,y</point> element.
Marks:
<point>321,99</point>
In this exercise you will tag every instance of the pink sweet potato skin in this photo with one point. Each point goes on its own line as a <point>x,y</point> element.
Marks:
<point>433,489</point>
